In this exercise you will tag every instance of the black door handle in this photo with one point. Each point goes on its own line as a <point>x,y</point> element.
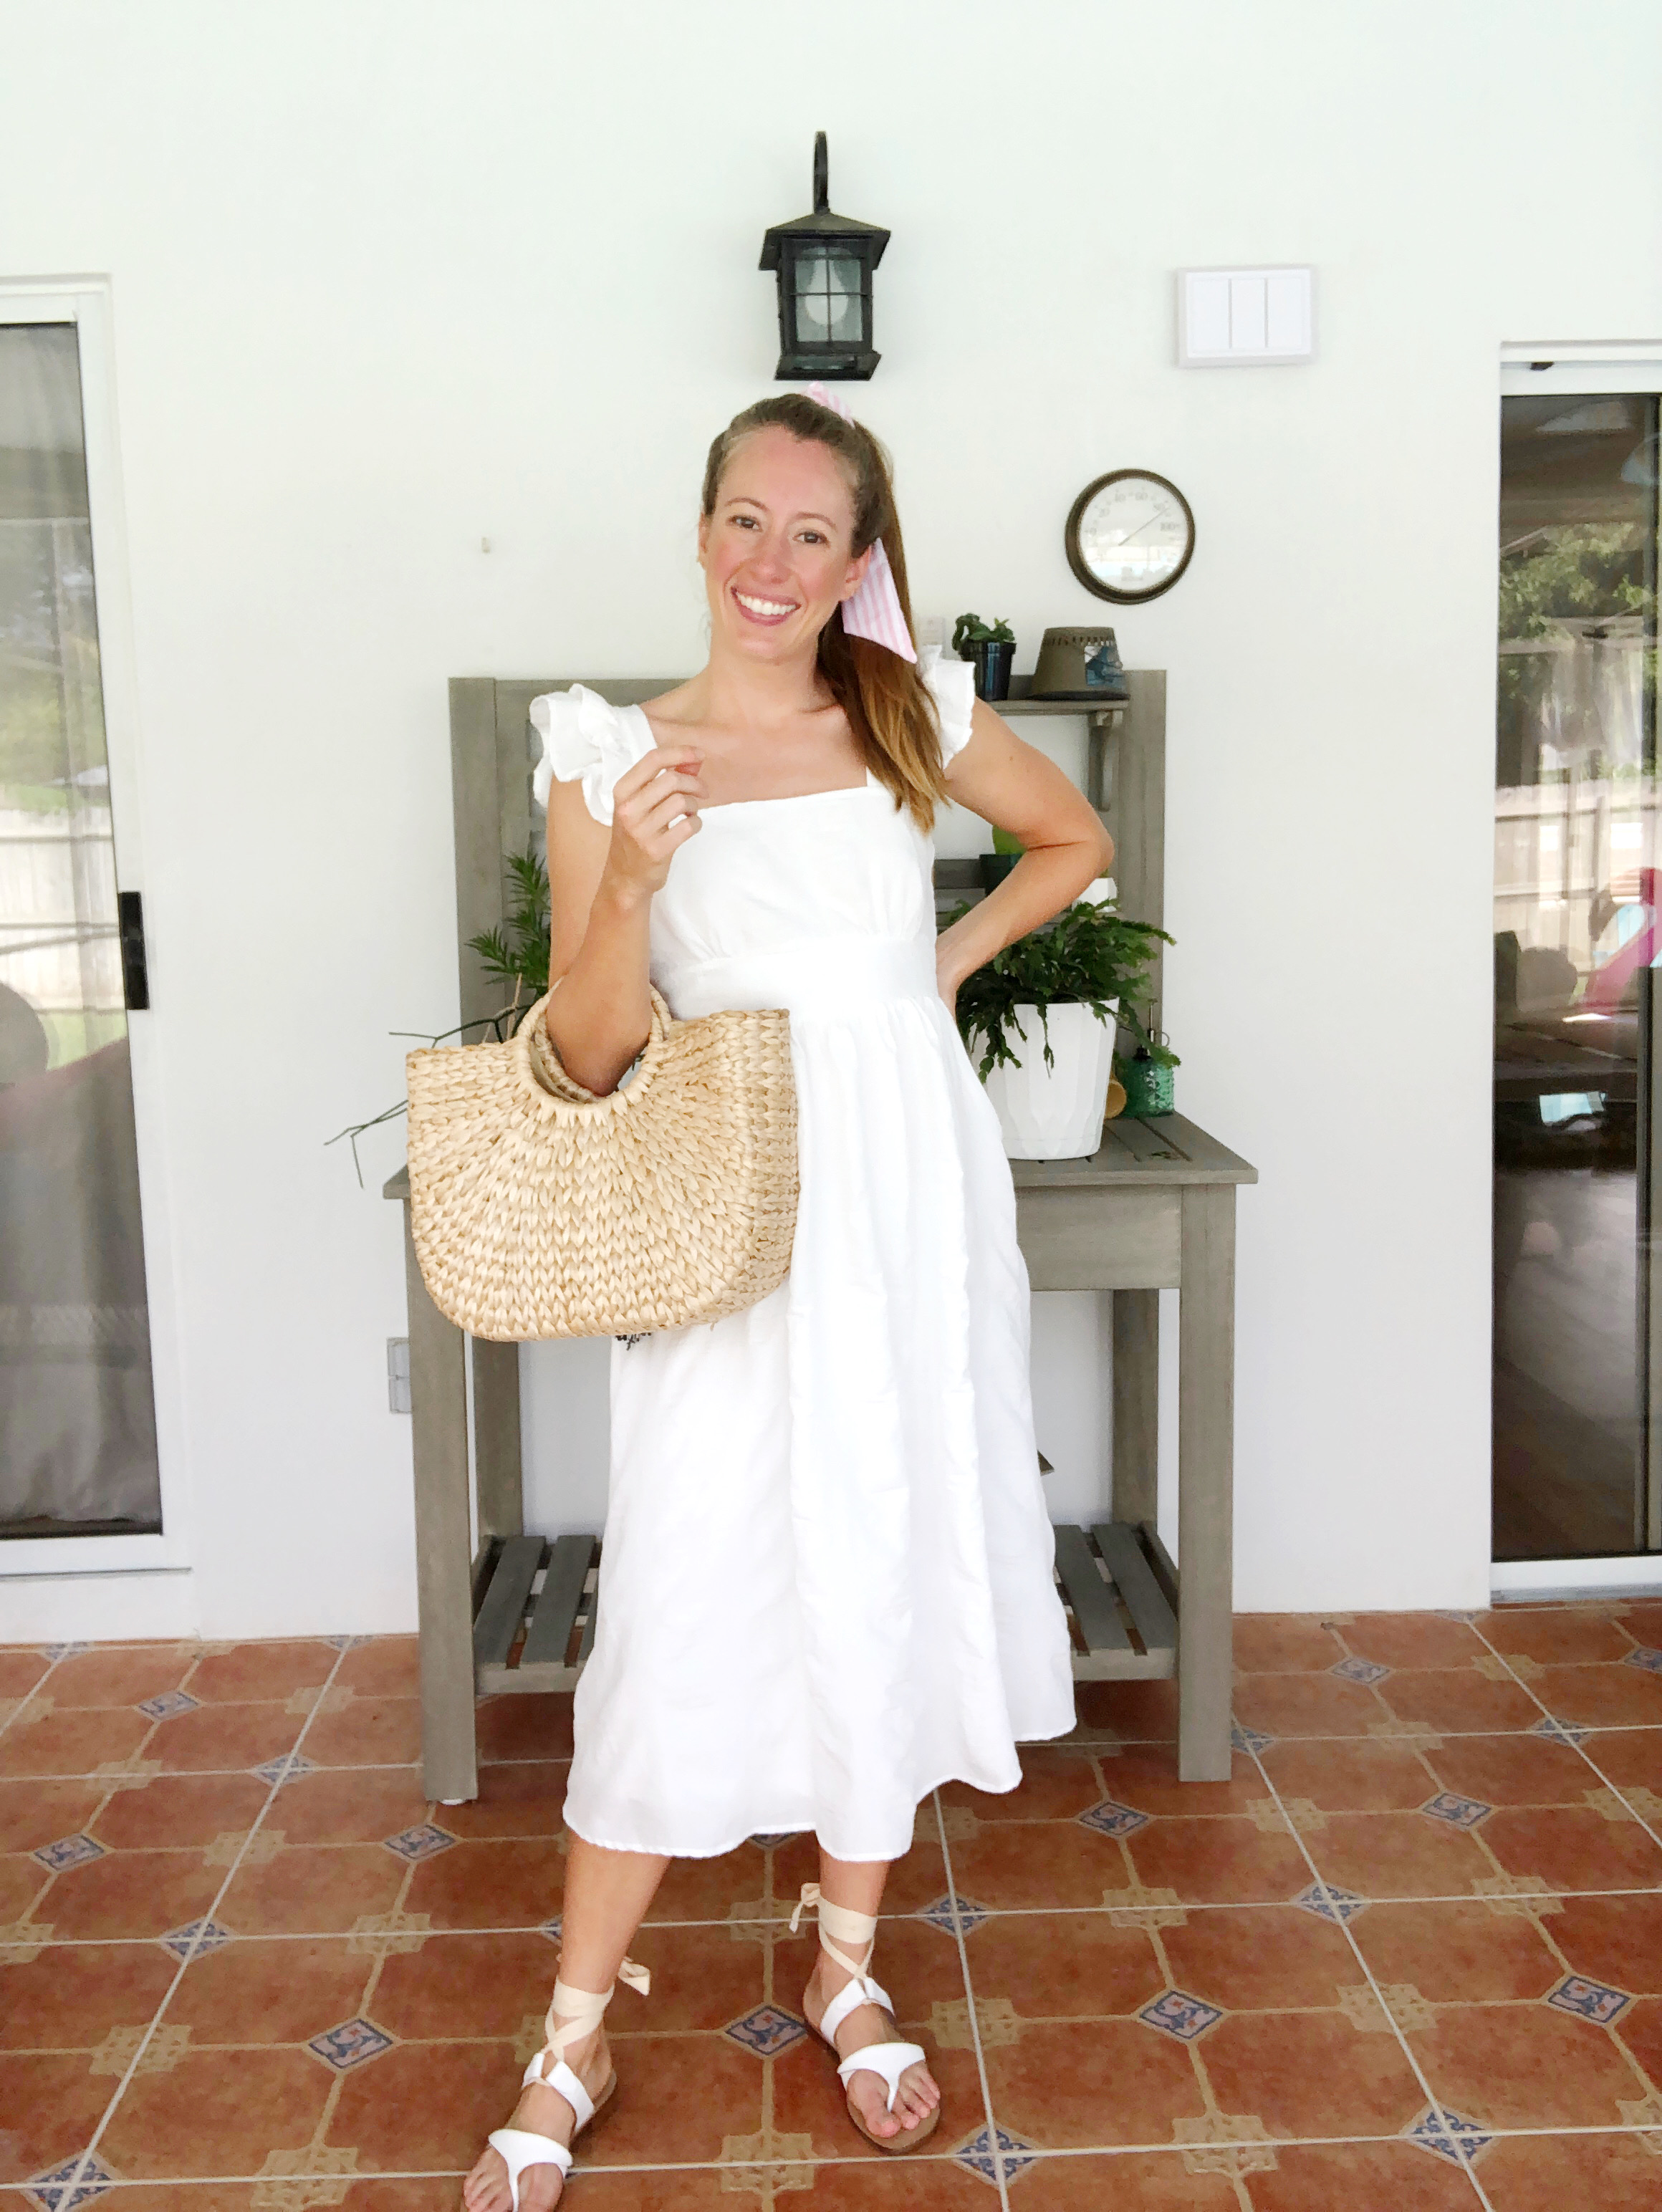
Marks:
<point>135,968</point>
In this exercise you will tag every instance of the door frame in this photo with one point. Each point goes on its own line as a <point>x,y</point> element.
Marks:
<point>87,302</point>
<point>1634,366</point>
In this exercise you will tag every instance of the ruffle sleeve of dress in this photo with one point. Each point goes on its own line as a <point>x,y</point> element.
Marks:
<point>952,686</point>
<point>584,735</point>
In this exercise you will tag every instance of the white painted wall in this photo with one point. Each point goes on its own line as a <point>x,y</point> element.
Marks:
<point>392,278</point>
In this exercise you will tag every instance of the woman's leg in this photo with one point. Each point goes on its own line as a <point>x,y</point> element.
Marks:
<point>607,1897</point>
<point>857,1884</point>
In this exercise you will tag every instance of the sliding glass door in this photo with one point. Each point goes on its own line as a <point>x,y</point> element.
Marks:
<point>1577,935</point>
<point>77,1415</point>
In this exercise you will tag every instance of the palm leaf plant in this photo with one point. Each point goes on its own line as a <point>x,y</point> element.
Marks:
<point>518,952</point>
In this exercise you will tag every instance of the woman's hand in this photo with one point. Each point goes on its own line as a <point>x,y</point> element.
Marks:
<point>654,809</point>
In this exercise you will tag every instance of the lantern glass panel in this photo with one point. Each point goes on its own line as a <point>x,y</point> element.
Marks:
<point>828,298</point>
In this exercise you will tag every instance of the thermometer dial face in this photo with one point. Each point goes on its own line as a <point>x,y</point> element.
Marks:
<point>1130,536</point>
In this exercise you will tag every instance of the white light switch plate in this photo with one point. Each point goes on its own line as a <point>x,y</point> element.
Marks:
<point>1245,317</point>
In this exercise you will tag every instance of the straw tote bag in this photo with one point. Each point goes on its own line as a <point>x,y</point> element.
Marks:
<point>539,1210</point>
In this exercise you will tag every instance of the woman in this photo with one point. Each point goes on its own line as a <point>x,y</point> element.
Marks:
<point>851,1463</point>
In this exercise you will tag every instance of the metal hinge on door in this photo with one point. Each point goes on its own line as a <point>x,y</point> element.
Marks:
<point>135,967</point>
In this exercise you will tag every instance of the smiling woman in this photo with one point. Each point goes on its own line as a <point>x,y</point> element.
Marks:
<point>871,671</point>
<point>851,1460</point>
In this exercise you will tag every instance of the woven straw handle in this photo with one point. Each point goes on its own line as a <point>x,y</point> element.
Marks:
<point>543,1062</point>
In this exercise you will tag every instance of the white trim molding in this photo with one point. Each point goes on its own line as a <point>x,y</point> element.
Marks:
<point>115,1606</point>
<point>1637,1575</point>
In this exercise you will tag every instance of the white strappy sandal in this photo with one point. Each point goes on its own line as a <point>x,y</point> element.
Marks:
<point>888,2061</point>
<point>582,2010</point>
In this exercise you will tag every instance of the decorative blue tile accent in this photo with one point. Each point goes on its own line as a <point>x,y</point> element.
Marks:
<point>56,1651</point>
<point>1594,2001</point>
<point>1449,2135</point>
<point>768,1839</point>
<point>1360,1670</point>
<point>54,2191</point>
<point>767,2030</point>
<point>1111,1820</point>
<point>1250,1739</point>
<point>1453,1613</point>
<point>349,2044</point>
<point>551,1929</point>
<point>1650,1661</point>
<point>287,1766</point>
<point>344,1642</point>
<point>983,2153</point>
<point>1456,1811</point>
<point>1179,2015</point>
<point>197,1936</point>
<point>1559,1731</point>
<point>169,1705</point>
<point>950,1917</point>
<point>424,1841</point>
<point>1329,1903</point>
<point>68,1851</point>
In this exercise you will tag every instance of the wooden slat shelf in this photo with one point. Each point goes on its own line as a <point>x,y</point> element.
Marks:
<point>536,1652</point>
<point>1120,1599</point>
<point>1021,701</point>
<point>1168,1149</point>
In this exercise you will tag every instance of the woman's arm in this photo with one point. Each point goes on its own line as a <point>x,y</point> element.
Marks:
<point>1017,789</point>
<point>600,886</point>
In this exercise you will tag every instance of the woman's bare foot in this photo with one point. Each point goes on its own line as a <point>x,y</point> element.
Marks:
<point>540,2111</point>
<point>918,2095</point>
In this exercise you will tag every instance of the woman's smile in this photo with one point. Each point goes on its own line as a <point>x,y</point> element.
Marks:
<point>769,611</point>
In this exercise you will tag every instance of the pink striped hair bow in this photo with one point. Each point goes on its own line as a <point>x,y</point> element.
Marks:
<point>874,609</point>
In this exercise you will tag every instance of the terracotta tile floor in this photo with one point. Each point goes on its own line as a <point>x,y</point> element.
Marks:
<point>1410,1953</point>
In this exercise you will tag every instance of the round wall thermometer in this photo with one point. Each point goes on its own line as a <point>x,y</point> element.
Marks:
<point>1130,536</point>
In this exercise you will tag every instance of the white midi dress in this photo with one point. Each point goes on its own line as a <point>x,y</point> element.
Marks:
<point>826,1584</point>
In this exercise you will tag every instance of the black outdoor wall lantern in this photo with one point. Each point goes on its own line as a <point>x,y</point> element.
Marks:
<point>824,264</point>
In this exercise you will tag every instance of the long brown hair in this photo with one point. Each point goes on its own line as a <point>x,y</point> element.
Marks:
<point>887,701</point>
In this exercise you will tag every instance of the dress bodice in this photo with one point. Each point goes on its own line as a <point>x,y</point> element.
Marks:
<point>760,896</point>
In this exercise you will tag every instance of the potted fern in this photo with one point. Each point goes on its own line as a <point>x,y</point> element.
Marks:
<point>1040,1020</point>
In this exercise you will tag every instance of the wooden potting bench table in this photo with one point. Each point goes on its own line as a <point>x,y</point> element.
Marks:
<point>1153,1210</point>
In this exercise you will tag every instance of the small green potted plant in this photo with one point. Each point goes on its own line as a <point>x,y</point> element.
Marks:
<point>1147,1075</point>
<point>992,647</point>
<point>1040,1021</point>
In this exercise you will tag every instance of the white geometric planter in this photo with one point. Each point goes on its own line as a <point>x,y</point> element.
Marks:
<point>1056,1113</point>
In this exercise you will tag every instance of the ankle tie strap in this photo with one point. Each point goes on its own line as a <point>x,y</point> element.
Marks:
<point>579,2013</point>
<point>839,1924</point>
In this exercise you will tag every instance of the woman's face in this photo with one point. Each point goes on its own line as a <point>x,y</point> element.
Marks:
<point>775,551</point>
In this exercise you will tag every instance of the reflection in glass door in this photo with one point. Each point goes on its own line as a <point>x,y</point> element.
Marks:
<point>1578,930</point>
<point>77,1418</point>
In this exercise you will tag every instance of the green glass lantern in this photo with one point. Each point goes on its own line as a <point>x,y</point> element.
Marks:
<point>823,264</point>
<point>1150,1088</point>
